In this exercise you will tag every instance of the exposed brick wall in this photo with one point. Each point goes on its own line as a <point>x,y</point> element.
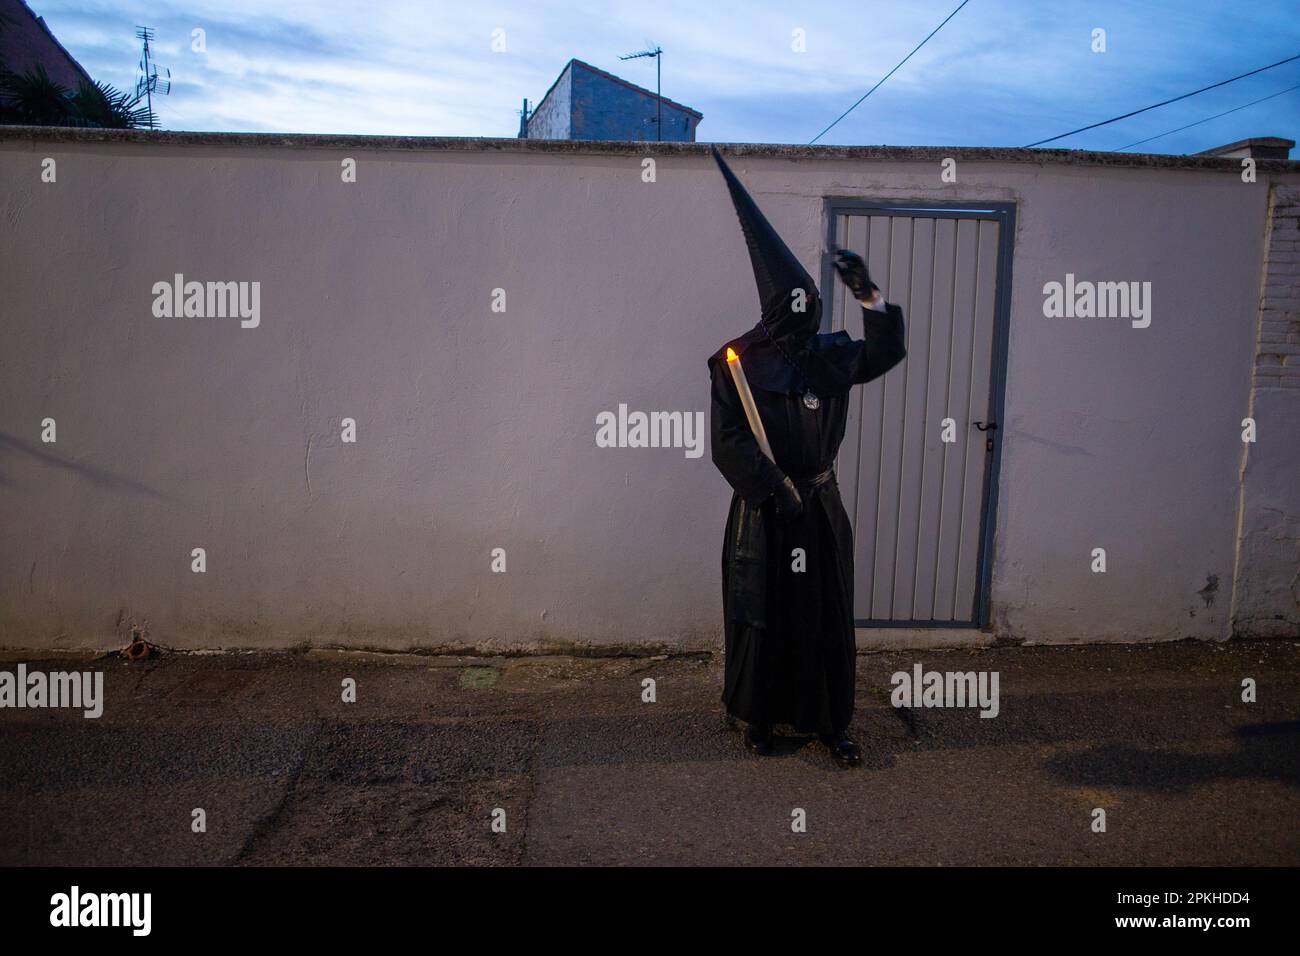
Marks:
<point>551,119</point>
<point>605,109</point>
<point>1266,592</point>
<point>1277,358</point>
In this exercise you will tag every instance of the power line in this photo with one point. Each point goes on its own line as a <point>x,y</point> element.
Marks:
<point>1207,119</point>
<point>1165,103</point>
<point>889,74</point>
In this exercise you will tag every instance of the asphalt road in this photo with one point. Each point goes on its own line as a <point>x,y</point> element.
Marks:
<point>587,773</point>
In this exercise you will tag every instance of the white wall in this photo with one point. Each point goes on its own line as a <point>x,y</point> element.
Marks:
<point>476,430</point>
<point>1122,438</point>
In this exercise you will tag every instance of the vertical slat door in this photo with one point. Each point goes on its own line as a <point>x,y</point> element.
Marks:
<point>917,502</point>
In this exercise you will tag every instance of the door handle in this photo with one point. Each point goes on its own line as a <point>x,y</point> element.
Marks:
<point>985,428</point>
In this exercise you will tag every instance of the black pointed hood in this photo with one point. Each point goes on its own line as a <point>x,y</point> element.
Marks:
<point>791,307</point>
<point>783,352</point>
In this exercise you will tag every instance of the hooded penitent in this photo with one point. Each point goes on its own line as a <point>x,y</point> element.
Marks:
<point>789,623</point>
<point>783,352</point>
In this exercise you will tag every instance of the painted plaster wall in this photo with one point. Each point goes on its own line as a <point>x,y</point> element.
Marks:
<point>476,429</point>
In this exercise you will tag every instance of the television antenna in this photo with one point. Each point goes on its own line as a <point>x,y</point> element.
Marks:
<point>657,53</point>
<point>149,81</point>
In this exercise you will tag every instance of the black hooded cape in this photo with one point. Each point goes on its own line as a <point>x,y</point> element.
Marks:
<point>788,584</point>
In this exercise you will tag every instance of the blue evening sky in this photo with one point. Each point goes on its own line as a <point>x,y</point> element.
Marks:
<point>1001,73</point>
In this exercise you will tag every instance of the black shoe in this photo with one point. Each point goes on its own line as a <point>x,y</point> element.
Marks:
<point>842,747</point>
<point>758,739</point>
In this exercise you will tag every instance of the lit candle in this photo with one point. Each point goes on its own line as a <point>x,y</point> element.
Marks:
<point>747,401</point>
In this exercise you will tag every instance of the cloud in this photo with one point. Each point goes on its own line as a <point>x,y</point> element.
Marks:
<point>1002,72</point>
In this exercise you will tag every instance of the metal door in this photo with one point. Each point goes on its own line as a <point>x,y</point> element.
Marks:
<point>922,507</point>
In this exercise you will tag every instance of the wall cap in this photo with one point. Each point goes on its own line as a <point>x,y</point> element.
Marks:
<point>333,141</point>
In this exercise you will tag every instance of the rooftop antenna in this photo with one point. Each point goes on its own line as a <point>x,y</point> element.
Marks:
<point>149,81</point>
<point>657,53</point>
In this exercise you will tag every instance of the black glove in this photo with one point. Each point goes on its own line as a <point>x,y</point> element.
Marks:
<point>788,503</point>
<point>853,272</point>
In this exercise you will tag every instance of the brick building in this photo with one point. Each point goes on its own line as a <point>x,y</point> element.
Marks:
<point>588,103</point>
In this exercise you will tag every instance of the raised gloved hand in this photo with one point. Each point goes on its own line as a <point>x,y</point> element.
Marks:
<point>788,503</point>
<point>853,272</point>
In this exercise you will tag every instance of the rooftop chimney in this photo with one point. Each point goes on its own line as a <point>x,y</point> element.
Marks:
<point>1257,147</point>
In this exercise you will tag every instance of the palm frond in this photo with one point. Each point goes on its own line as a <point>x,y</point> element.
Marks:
<point>102,105</point>
<point>33,99</point>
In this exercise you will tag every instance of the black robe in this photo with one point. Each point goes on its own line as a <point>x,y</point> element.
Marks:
<point>790,647</point>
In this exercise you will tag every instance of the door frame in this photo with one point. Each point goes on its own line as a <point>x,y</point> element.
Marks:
<point>1005,214</point>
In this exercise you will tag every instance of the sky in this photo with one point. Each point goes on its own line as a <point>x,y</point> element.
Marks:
<point>1000,73</point>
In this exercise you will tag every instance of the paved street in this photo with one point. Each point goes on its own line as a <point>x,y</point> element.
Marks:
<point>287,773</point>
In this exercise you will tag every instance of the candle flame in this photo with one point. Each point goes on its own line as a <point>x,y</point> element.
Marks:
<point>731,355</point>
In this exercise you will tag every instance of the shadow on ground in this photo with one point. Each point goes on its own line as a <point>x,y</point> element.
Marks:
<point>517,761</point>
